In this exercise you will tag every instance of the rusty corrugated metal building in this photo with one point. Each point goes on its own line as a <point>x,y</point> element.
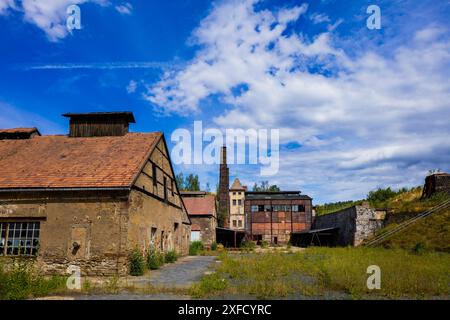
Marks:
<point>274,216</point>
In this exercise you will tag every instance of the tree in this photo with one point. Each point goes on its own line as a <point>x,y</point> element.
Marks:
<point>381,195</point>
<point>265,187</point>
<point>192,183</point>
<point>180,180</point>
<point>189,183</point>
<point>221,217</point>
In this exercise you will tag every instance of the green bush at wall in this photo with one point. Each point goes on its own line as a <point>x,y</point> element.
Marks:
<point>23,281</point>
<point>137,263</point>
<point>155,260</point>
<point>171,256</point>
<point>195,248</point>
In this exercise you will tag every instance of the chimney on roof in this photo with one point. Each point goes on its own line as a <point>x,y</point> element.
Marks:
<point>99,124</point>
<point>18,133</point>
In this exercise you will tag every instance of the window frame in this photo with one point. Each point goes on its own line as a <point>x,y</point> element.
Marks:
<point>31,240</point>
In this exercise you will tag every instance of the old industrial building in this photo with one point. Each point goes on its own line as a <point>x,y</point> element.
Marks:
<point>201,208</point>
<point>90,197</point>
<point>346,227</point>
<point>237,198</point>
<point>435,183</point>
<point>274,216</point>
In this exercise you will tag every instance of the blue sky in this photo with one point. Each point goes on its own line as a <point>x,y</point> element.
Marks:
<point>356,108</point>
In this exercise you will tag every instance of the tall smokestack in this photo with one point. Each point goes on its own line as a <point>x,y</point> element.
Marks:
<point>224,196</point>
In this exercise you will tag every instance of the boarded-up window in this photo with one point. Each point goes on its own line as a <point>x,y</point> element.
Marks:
<point>155,179</point>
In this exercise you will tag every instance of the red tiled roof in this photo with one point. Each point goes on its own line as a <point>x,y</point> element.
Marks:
<point>195,227</point>
<point>200,205</point>
<point>237,185</point>
<point>19,130</point>
<point>63,162</point>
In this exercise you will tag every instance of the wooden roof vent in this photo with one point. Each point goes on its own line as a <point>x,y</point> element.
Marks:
<point>99,124</point>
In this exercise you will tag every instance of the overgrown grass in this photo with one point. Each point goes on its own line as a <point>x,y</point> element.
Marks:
<point>339,271</point>
<point>403,200</point>
<point>248,245</point>
<point>335,206</point>
<point>195,248</point>
<point>410,202</point>
<point>171,256</point>
<point>23,281</point>
<point>430,233</point>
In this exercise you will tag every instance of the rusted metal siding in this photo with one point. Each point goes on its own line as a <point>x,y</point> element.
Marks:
<point>276,226</point>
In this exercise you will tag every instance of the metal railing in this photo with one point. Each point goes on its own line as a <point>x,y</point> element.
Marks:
<point>378,239</point>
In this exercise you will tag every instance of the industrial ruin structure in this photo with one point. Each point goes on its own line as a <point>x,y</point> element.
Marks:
<point>224,184</point>
<point>201,208</point>
<point>274,216</point>
<point>346,227</point>
<point>237,212</point>
<point>437,182</point>
<point>89,198</point>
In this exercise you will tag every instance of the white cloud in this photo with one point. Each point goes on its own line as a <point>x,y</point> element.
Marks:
<point>5,5</point>
<point>363,120</point>
<point>319,18</point>
<point>132,85</point>
<point>48,15</point>
<point>124,8</point>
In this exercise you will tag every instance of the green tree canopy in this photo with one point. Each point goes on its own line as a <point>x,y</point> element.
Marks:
<point>264,186</point>
<point>188,183</point>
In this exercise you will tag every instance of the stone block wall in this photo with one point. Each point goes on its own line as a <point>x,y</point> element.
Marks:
<point>355,224</point>
<point>208,226</point>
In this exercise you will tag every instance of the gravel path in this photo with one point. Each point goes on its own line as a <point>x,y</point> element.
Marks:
<point>179,275</point>
<point>182,274</point>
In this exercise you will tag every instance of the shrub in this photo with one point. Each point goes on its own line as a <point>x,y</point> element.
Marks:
<point>214,246</point>
<point>220,247</point>
<point>419,248</point>
<point>195,248</point>
<point>264,244</point>
<point>137,264</point>
<point>209,284</point>
<point>248,245</point>
<point>22,281</point>
<point>154,259</point>
<point>171,256</point>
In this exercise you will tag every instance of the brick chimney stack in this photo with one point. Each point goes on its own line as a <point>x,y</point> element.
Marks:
<point>224,180</point>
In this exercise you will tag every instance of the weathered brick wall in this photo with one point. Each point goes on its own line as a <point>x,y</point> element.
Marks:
<point>355,224</point>
<point>276,226</point>
<point>208,226</point>
<point>146,213</point>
